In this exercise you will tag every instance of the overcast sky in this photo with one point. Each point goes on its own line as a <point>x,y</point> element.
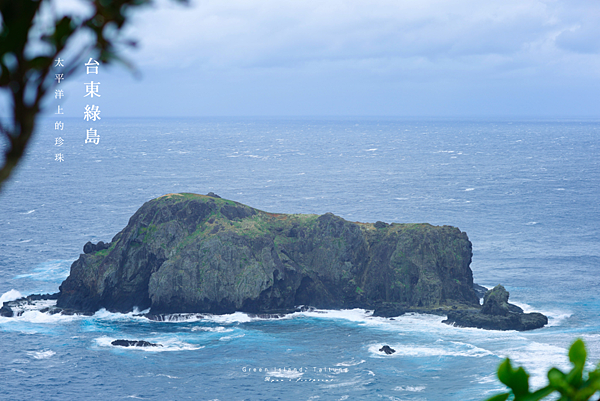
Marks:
<point>533,58</point>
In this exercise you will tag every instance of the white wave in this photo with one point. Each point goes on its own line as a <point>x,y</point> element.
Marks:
<point>227,338</point>
<point>31,312</point>
<point>32,306</point>
<point>371,150</point>
<point>531,223</point>
<point>353,315</point>
<point>285,374</point>
<point>181,317</point>
<point>420,351</point>
<point>103,314</point>
<point>411,324</point>
<point>406,322</point>
<point>24,241</point>
<point>560,189</point>
<point>137,315</point>
<point>35,316</point>
<point>537,358</point>
<point>487,379</point>
<point>10,296</point>
<point>350,363</point>
<point>41,354</point>
<point>414,389</point>
<point>167,376</point>
<point>29,212</point>
<point>237,317</point>
<point>219,329</point>
<point>469,189</point>
<point>168,344</point>
<point>555,316</point>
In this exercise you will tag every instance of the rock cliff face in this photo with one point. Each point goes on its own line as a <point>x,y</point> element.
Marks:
<point>195,253</point>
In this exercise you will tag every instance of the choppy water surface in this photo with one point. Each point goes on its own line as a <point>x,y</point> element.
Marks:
<point>526,192</point>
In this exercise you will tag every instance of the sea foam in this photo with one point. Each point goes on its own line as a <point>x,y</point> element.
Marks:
<point>168,344</point>
<point>10,296</point>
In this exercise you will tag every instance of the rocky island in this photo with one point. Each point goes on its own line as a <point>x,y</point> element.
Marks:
<point>189,253</point>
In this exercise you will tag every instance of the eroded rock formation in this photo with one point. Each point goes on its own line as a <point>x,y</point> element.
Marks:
<point>497,314</point>
<point>204,254</point>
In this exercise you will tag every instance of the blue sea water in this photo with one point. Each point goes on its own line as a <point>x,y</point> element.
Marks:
<point>526,193</point>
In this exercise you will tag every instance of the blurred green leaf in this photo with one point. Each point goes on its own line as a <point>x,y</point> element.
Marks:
<point>19,19</point>
<point>572,386</point>
<point>517,380</point>
<point>537,395</point>
<point>499,397</point>
<point>577,353</point>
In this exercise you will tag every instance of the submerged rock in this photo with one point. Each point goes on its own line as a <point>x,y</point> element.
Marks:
<point>188,253</point>
<point>387,349</point>
<point>134,343</point>
<point>497,314</point>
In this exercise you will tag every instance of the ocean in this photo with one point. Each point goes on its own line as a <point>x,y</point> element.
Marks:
<point>525,191</point>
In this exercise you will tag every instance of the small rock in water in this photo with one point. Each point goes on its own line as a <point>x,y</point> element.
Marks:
<point>387,349</point>
<point>134,343</point>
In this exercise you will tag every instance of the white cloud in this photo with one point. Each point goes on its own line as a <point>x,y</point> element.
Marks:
<point>421,57</point>
<point>269,33</point>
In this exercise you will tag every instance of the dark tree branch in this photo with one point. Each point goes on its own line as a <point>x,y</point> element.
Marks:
<point>19,73</point>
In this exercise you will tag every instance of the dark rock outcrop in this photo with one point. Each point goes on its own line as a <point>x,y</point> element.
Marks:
<point>387,309</point>
<point>91,248</point>
<point>34,302</point>
<point>134,343</point>
<point>188,253</point>
<point>6,311</point>
<point>497,314</point>
<point>387,349</point>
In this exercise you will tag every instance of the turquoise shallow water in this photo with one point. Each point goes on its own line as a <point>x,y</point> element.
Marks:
<point>526,193</point>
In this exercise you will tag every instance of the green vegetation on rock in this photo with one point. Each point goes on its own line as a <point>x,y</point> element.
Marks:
<point>196,253</point>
